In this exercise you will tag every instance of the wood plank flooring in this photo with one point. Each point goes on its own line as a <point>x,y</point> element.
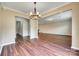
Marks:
<point>36,47</point>
<point>62,40</point>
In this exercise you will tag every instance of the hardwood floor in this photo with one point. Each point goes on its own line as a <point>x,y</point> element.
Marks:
<point>63,40</point>
<point>37,47</point>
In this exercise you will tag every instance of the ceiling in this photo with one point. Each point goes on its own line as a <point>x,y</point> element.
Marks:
<point>42,7</point>
<point>28,6</point>
<point>63,16</point>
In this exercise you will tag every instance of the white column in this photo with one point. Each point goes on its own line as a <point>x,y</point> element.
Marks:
<point>0,28</point>
<point>33,29</point>
<point>75,26</point>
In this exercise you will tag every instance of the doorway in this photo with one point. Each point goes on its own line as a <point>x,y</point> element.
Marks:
<point>22,26</point>
<point>19,27</point>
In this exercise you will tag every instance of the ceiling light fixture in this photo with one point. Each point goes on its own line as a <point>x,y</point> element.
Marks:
<point>34,15</point>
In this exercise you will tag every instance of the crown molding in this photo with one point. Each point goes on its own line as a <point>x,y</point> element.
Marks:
<point>48,11</point>
<point>14,10</point>
<point>44,14</point>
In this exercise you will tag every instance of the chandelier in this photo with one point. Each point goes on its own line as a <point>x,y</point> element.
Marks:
<point>34,15</point>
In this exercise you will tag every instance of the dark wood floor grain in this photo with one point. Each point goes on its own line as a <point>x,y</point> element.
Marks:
<point>36,47</point>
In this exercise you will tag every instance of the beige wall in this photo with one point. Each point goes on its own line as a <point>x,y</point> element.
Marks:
<point>75,26</point>
<point>0,28</point>
<point>61,28</point>
<point>8,26</point>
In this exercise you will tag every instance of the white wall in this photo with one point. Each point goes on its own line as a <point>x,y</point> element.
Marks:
<point>62,28</point>
<point>33,29</point>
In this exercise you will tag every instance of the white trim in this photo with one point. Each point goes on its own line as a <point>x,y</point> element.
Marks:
<point>7,43</point>
<point>4,45</point>
<point>34,37</point>
<point>56,34</point>
<point>25,35</point>
<point>47,12</point>
<point>4,7</point>
<point>44,13</point>
<point>57,7</point>
<point>75,48</point>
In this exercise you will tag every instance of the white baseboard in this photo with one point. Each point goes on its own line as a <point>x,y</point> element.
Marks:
<point>56,34</point>
<point>33,37</point>
<point>4,45</point>
<point>25,35</point>
<point>75,48</point>
<point>7,43</point>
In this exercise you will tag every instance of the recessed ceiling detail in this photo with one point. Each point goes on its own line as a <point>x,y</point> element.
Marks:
<point>28,6</point>
<point>63,16</point>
